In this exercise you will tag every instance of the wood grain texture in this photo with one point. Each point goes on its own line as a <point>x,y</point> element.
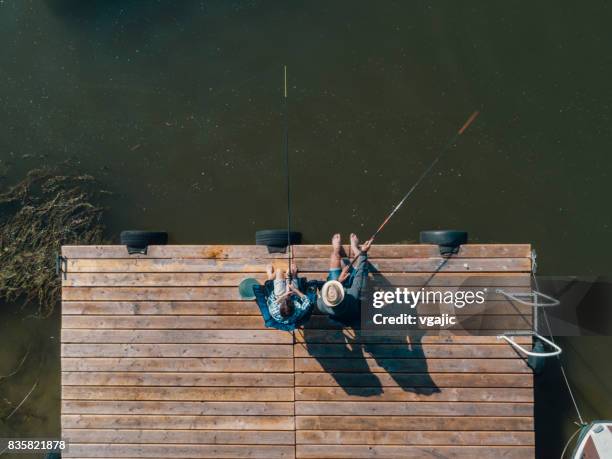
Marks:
<point>421,408</point>
<point>177,364</point>
<point>413,380</point>
<point>414,423</point>
<point>140,379</point>
<point>167,336</point>
<point>416,365</point>
<point>162,358</point>
<point>190,436</point>
<point>187,279</point>
<point>203,394</point>
<point>190,408</point>
<point>250,265</point>
<point>180,451</point>
<point>299,251</point>
<point>408,452</point>
<point>168,422</point>
<point>256,351</point>
<point>378,437</point>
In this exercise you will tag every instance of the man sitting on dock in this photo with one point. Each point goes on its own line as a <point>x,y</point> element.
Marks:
<point>286,303</point>
<point>341,294</point>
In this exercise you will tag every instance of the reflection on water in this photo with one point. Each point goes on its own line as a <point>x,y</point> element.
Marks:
<point>178,102</point>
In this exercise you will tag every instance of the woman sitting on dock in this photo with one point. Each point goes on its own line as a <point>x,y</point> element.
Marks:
<point>286,303</point>
<point>340,295</point>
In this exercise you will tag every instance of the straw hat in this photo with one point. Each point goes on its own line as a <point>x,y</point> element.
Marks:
<point>332,293</point>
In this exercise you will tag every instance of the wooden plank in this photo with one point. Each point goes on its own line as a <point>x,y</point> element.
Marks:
<point>177,408</point>
<point>194,308</point>
<point>81,378</point>
<point>247,394</point>
<point>164,322</point>
<point>424,250</point>
<point>393,337</point>
<point>416,394</point>
<point>151,421</point>
<point>414,423</point>
<point>150,294</point>
<point>217,294</point>
<point>258,351</point>
<point>180,451</point>
<point>159,352</point>
<point>412,409</point>
<point>250,265</point>
<point>478,324</point>
<point>171,279</point>
<point>484,324</point>
<point>405,351</point>
<point>412,365</point>
<point>177,364</point>
<point>238,308</point>
<point>191,436</point>
<point>440,380</point>
<point>299,251</point>
<point>374,437</point>
<point>408,452</point>
<point>142,336</point>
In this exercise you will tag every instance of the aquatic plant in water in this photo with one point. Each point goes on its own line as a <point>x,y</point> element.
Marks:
<point>37,216</point>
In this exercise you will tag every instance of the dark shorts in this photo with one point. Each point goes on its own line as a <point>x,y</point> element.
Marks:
<point>334,274</point>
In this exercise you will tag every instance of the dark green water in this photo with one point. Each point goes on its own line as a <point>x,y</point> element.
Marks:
<point>176,108</point>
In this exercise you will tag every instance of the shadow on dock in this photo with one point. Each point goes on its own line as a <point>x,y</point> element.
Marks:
<point>350,358</point>
<point>349,355</point>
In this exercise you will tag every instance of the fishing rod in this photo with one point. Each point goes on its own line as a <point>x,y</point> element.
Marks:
<point>286,148</point>
<point>426,172</point>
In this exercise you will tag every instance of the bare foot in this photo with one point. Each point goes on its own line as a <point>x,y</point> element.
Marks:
<point>270,272</point>
<point>337,243</point>
<point>355,251</point>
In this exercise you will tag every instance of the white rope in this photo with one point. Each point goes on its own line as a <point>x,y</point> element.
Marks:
<point>568,442</point>
<point>550,333</point>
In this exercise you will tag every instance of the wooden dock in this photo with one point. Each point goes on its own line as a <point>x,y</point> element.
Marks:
<point>161,359</point>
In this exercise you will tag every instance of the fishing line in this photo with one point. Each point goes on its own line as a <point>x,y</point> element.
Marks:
<point>426,172</point>
<point>581,422</point>
<point>286,148</point>
<point>561,366</point>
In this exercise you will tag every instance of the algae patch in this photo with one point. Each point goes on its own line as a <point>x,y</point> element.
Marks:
<point>37,216</point>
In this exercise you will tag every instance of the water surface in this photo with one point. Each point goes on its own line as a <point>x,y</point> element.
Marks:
<point>176,108</point>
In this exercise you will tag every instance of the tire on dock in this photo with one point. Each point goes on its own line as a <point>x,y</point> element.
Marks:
<point>276,239</point>
<point>449,241</point>
<point>137,241</point>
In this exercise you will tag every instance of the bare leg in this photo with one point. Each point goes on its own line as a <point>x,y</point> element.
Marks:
<point>270,272</point>
<point>336,255</point>
<point>355,251</point>
<point>280,287</point>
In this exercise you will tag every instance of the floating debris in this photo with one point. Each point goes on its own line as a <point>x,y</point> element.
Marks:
<point>22,401</point>
<point>16,370</point>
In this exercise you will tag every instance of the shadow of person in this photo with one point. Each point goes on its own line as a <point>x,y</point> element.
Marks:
<point>399,352</point>
<point>349,354</point>
<point>341,355</point>
<point>403,359</point>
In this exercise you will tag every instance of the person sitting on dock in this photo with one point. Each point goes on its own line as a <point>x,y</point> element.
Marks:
<point>286,302</point>
<point>341,294</point>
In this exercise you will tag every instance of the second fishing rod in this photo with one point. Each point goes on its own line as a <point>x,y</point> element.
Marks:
<point>425,173</point>
<point>287,177</point>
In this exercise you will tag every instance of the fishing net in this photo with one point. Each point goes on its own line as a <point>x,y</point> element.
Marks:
<point>37,216</point>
